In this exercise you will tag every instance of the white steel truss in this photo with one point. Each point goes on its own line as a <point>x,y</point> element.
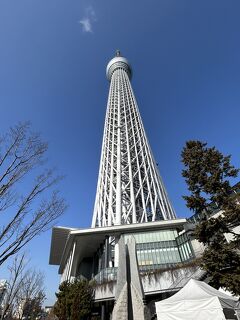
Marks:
<point>130,189</point>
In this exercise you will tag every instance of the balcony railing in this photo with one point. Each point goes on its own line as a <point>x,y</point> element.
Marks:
<point>106,275</point>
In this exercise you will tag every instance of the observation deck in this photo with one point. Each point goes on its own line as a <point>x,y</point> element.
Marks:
<point>118,62</point>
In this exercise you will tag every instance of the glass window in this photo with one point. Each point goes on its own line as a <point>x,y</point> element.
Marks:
<point>158,248</point>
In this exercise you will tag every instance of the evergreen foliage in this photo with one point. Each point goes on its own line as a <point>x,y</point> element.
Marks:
<point>74,300</point>
<point>207,173</point>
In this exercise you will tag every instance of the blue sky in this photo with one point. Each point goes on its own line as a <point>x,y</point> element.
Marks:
<point>185,56</point>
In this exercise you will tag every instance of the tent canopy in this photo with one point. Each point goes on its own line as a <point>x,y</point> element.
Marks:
<point>196,300</point>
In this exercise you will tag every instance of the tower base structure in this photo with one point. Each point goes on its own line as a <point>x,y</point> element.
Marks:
<point>132,265</point>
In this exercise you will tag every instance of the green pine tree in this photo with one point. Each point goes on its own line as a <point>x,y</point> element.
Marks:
<point>74,300</point>
<point>207,173</point>
<point>62,305</point>
<point>82,296</point>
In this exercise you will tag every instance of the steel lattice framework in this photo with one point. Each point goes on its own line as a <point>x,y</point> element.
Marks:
<point>130,189</point>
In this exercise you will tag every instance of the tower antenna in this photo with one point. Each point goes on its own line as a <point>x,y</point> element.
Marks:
<point>118,53</point>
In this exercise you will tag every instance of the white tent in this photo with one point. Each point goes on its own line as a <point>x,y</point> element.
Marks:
<point>196,301</point>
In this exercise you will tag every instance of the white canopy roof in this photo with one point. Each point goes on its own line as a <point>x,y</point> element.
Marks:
<point>198,301</point>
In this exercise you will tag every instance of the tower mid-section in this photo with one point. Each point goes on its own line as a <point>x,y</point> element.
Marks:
<point>129,189</point>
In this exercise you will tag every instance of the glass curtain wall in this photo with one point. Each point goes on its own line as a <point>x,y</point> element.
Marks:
<point>160,249</point>
<point>156,250</point>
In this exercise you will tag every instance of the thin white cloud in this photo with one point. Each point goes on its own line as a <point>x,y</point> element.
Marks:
<point>86,25</point>
<point>88,20</point>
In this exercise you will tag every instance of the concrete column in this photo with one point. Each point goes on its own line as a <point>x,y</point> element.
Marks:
<point>103,311</point>
<point>93,266</point>
<point>99,259</point>
<point>106,257</point>
<point>116,252</point>
<point>71,262</point>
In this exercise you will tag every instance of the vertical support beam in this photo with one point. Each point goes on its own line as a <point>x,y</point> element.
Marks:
<point>93,266</point>
<point>119,182</point>
<point>106,258</point>
<point>71,262</point>
<point>99,259</point>
<point>133,217</point>
<point>111,119</point>
<point>103,311</point>
<point>116,252</point>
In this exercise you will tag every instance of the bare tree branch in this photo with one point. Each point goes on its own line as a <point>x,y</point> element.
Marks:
<point>24,286</point>
<point>21,156</point>
<point>16,277</point>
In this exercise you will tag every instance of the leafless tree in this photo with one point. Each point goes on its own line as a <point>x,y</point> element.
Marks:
<point>14,282</point>
<point>25,289</point>
<point>31,294</point>
<point>26,213</point>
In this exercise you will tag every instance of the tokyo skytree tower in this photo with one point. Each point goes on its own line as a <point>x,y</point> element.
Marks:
<point>130,189</point>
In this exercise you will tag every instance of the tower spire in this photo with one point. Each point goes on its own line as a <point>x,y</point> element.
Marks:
<point>130,189</point>
<point>118,53</point>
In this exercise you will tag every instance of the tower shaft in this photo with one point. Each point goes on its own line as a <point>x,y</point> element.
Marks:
<point>130,189</point>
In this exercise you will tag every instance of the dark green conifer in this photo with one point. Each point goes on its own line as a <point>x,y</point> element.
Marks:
<point>207,173</point>
<point>74,300</point>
